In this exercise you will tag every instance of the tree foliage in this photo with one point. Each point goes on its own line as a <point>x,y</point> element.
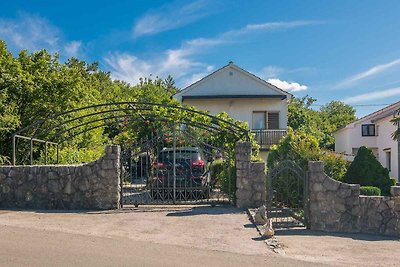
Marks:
<point>319,123</point>
<point>302,148</point>
<point>37,85</point>
<point>366,170</point>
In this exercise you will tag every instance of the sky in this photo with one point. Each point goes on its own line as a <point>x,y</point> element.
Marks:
<point>343,50</point>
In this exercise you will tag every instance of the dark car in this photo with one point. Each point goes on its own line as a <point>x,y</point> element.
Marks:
<point>190,170</point>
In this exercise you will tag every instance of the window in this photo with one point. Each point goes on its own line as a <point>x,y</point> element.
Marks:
<point>368,130</point>
<point>389,160</point>
<point>265,120</point>
<point>259,120</point>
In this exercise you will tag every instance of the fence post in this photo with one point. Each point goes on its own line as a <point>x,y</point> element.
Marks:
<point>250,178</point>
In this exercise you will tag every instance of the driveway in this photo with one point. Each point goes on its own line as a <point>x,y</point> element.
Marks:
<point>340,248</point>
<point>174,236</point>
<point>151,236</point>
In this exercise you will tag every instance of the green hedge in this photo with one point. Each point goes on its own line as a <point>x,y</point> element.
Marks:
<point>393,181</point>
<point>216,167</point>
<point>366,170</point>
<point>223,176</point>
<point>370,191</point>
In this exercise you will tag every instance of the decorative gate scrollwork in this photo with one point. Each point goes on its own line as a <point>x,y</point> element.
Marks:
<point>287,195</point>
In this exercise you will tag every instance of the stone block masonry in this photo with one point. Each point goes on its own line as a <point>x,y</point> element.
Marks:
<point>338,207</point>
<point>94,185</point>
<point>250,178</point>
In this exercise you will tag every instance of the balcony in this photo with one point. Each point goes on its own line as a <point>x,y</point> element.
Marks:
<point>267,138</point>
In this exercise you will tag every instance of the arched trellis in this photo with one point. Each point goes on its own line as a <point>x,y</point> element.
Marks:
<point>59,132</point>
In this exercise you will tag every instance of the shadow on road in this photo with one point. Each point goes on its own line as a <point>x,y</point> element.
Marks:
<point>354,236</point>
<point>174,210</point>
<point>208,210</point>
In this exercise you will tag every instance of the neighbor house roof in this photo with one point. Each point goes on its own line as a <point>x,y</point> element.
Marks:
<point>245,72</point>
<point>375,116</point>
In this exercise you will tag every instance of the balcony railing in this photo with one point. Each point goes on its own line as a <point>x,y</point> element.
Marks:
<point>267,138</point>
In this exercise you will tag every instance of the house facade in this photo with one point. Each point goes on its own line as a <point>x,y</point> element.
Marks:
<point>245,97</point>
<point>375,132</point>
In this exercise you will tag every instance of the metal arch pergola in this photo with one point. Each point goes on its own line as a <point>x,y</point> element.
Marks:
<point>216,124</point>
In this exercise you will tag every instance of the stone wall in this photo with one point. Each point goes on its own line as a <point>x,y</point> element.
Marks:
<point>338,207</point>
<point>94,185</point>
<point>250,178</point>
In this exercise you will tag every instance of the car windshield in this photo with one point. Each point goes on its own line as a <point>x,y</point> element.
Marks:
<point>180,154</point>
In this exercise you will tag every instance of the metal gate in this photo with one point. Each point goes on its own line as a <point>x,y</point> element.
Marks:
<point>287,195</point>
<point>158,166</point>
<point>176,165</point>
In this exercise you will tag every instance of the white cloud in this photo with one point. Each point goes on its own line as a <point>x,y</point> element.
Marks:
<point>271,71</point>
<point>170,17</point>
<point>232,35</point>
<point>377,95</point>
<point>179,62</point>
<point>287,86</point>
<point>281,25</point>
<point>375,70</point>
<point>129,68</point>
<point>72,48</point>
<point>32,32</point>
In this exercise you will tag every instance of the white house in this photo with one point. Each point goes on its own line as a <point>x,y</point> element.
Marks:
<point>244,97</point>
<point>375,132</point>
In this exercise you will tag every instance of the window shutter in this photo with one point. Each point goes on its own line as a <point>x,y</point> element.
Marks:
<point>273,120</point>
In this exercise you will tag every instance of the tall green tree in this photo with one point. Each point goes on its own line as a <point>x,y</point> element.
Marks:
<point>338,114</point>
<point>37,85</point>
<point>319,123</point>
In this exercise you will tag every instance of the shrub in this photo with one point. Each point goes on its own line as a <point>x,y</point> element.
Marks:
<point>216,167</point>
<point>335,166</point>
<point>298,146</point>
<point>302,148</point>
<point>393,181</point>
<point>223,176</point>
<point>366,170</point>
<point>370,191</point>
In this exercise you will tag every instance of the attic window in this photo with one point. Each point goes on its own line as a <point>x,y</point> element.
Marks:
<point>368,130</point>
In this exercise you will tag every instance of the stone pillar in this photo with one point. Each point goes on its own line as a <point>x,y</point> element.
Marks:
<point>315,178</point>
<point>109,169</point>
<point>395,191</point>
<point>250,178</point>
<point>333,206</point>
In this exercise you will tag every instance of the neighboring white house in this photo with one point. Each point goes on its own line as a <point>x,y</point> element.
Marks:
<point>244,97</point>
<point>375,132</point>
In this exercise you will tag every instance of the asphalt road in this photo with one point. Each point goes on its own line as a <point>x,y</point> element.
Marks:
<point>33,247</point>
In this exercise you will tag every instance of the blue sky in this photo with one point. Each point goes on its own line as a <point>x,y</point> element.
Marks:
<point>330,50</point>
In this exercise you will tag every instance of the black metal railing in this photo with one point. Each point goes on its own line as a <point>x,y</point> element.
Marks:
<point>267,138</point>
